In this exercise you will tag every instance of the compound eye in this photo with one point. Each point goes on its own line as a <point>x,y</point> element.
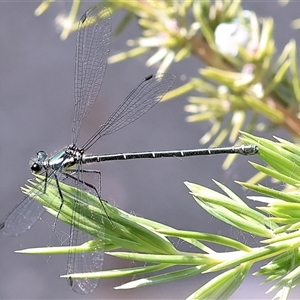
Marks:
<point>36,168</point>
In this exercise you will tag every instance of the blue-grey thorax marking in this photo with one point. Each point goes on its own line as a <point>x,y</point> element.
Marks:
<point>62,160</point>
<point>65,159</point>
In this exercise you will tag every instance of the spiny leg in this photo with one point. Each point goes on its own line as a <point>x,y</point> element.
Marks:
<point>91,186</point>
<point>45,180</point>
<point>99,180</point>
<point>61,198</point>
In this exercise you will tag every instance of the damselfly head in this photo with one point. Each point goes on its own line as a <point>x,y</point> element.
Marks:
<point>37,163</point>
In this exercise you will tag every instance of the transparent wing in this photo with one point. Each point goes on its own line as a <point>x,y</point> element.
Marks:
<point>93,40</point>
<point>83,262</point>
<point>26,213</point>
<point>138,102</point>
<point>22,217</point>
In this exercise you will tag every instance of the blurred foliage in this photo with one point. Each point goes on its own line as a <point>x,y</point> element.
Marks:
<point>243,86</point>
<point>296,22</point>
